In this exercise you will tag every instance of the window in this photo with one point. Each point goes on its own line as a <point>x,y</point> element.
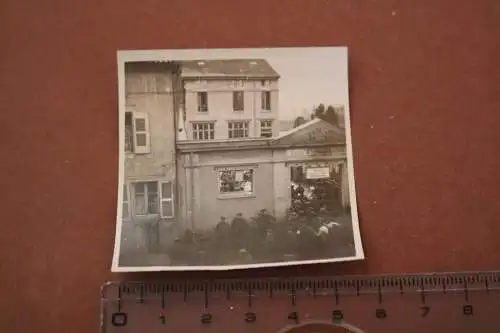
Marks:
<point>153,198</point>
<point>203,131</point>
<point>238,84</point>
<point>146,198</point>
<point>238,101</point>
<point>137,138</point>
<point>167,200</point>
<point>125,203</point>
<point>238,129</point>
<point>237,181</point>
<point>266,100</point>
<point>264,83</point>
<point>129,133</point>
<point>202,101</point>
<point>266,128</point>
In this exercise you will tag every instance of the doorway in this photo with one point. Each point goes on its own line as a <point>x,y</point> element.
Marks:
<point>315,187</point>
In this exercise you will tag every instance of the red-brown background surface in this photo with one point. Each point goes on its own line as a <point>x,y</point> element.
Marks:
<point>425,124</point>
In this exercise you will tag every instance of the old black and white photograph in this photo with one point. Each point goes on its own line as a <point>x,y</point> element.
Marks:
<point>234,158</point>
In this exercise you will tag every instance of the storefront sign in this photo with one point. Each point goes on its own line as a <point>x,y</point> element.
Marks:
<point>318,173</point>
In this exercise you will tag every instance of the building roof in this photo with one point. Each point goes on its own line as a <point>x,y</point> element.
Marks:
<point>150,66</point>
<point>313,131</point>
<point>237,68</point>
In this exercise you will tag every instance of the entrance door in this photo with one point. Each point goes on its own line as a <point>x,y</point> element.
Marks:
<point>316,187</point>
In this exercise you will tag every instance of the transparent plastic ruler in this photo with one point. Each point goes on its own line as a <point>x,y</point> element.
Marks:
<point>451,302</point>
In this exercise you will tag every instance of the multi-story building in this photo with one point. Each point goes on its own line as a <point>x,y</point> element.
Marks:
<point>149,159</point>
<point>229,99</point>
<point>232,157</point>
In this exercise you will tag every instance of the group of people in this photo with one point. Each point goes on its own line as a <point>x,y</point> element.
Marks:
<point>303,234</point>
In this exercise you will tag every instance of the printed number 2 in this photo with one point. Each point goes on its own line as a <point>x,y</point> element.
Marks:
<point>294,316</point>
<point>380,313</point>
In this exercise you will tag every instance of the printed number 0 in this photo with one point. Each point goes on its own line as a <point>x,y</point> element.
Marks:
<point>468,310</point>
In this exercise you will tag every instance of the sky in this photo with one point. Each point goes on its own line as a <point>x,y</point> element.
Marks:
<point>309,76</point>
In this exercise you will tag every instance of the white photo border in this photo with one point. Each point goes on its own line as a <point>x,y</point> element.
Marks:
<point>161,55</point>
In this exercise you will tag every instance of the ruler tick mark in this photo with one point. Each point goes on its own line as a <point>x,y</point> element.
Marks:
<point>422,292</point>
<point>119,300</point>
<point>249,296</point>
<point>336,293</point>
<point>141,294</point>
<point>206,296</point>
<point>163,297</point>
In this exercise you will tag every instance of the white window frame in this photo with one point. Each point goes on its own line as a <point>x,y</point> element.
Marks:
<point>144,182</point>
<point>126,201</point>
<point>246,128</point>
<point>235,195</point>
<point>160,198</point>
<point>131,150</point>
<point>238,84</point>
<point>242,92</point>
<point>270,128</point>
<point>141,149</point>
<point>200,109</point>
<point>264,101</point>
<point>171,199</point>
<point>193,131</point>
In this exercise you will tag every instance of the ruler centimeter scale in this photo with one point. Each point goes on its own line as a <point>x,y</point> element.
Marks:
<point>447,302</point>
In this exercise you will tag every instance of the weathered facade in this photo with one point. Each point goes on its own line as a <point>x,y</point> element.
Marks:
<point>228,99</point>
<point>261,166</point>
<point>202,140</point>
<point>149,200</point>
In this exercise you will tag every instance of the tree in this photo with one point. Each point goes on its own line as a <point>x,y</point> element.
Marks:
<point>326,113</point>
<point>318,111</point>
<point>298,121</point>
<point>330,115</point>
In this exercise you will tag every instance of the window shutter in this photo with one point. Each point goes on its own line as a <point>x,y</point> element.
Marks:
<point>142,144</point>
<point>167,200</point>
<point>125,203</point>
